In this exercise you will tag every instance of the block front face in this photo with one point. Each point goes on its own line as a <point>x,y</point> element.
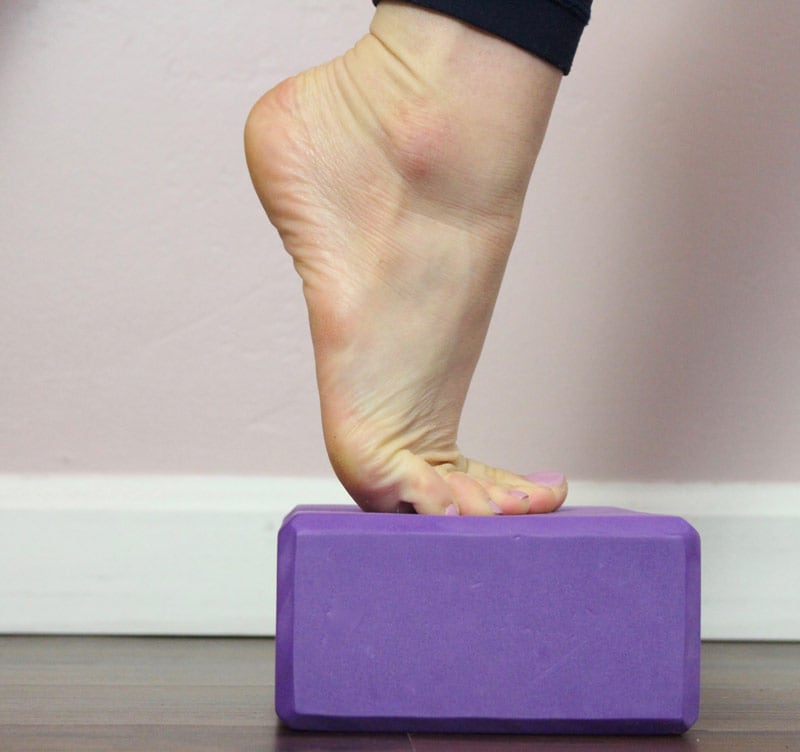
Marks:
<point>581,620</point>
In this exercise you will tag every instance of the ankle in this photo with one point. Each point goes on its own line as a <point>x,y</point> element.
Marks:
<point>454,101</point>
<point>462,64</point>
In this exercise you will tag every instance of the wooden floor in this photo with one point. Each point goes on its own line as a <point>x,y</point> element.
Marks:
<point>126,694</point>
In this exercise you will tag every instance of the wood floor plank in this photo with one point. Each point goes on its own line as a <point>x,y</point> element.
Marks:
<point>132,738</point>
<point>122,694</point>
<point>700,742</point>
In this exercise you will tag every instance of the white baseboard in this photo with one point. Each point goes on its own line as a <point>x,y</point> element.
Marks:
<point>196,555</point>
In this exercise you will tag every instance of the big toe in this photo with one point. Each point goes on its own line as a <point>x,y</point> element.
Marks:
<point>552,489</point>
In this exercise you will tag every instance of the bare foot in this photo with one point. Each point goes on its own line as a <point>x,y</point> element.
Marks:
<point>395,175</point>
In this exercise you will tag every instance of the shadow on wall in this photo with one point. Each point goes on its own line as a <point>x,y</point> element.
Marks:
<point>719,342</point>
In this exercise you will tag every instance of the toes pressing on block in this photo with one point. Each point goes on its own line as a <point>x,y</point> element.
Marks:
<point>586,620</point>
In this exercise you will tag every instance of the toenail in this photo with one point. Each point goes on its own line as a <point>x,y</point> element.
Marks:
<point>496,509</point>
<point>451,511</point>
<point>554,480</point>
<point>521,495</point>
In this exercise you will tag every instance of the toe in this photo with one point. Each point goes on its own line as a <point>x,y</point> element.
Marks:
<point>509,500</point>
<point>552,490</point>
<point>546,491</point>
<point>426,490</point>
<point>472,497</point>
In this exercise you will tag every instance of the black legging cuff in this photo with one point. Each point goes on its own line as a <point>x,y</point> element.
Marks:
<point>550,29</point>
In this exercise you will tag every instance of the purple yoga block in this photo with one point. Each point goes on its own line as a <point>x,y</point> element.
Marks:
<point>584,621</point>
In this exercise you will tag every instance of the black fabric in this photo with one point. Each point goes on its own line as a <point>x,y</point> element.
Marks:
<point>550,29</point>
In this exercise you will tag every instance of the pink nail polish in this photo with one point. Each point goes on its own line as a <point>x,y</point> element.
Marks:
<point>496,509</point>
<point>552,479</point>
<point>451,511</point>
<point>517,494</point>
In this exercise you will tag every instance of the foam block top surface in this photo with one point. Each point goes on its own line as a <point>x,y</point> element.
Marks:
<point>567,521</point>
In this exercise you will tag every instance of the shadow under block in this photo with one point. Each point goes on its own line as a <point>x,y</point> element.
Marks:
<point>583,621</point>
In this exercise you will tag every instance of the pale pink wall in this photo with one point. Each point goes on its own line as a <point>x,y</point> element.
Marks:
<point>649,326</point>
